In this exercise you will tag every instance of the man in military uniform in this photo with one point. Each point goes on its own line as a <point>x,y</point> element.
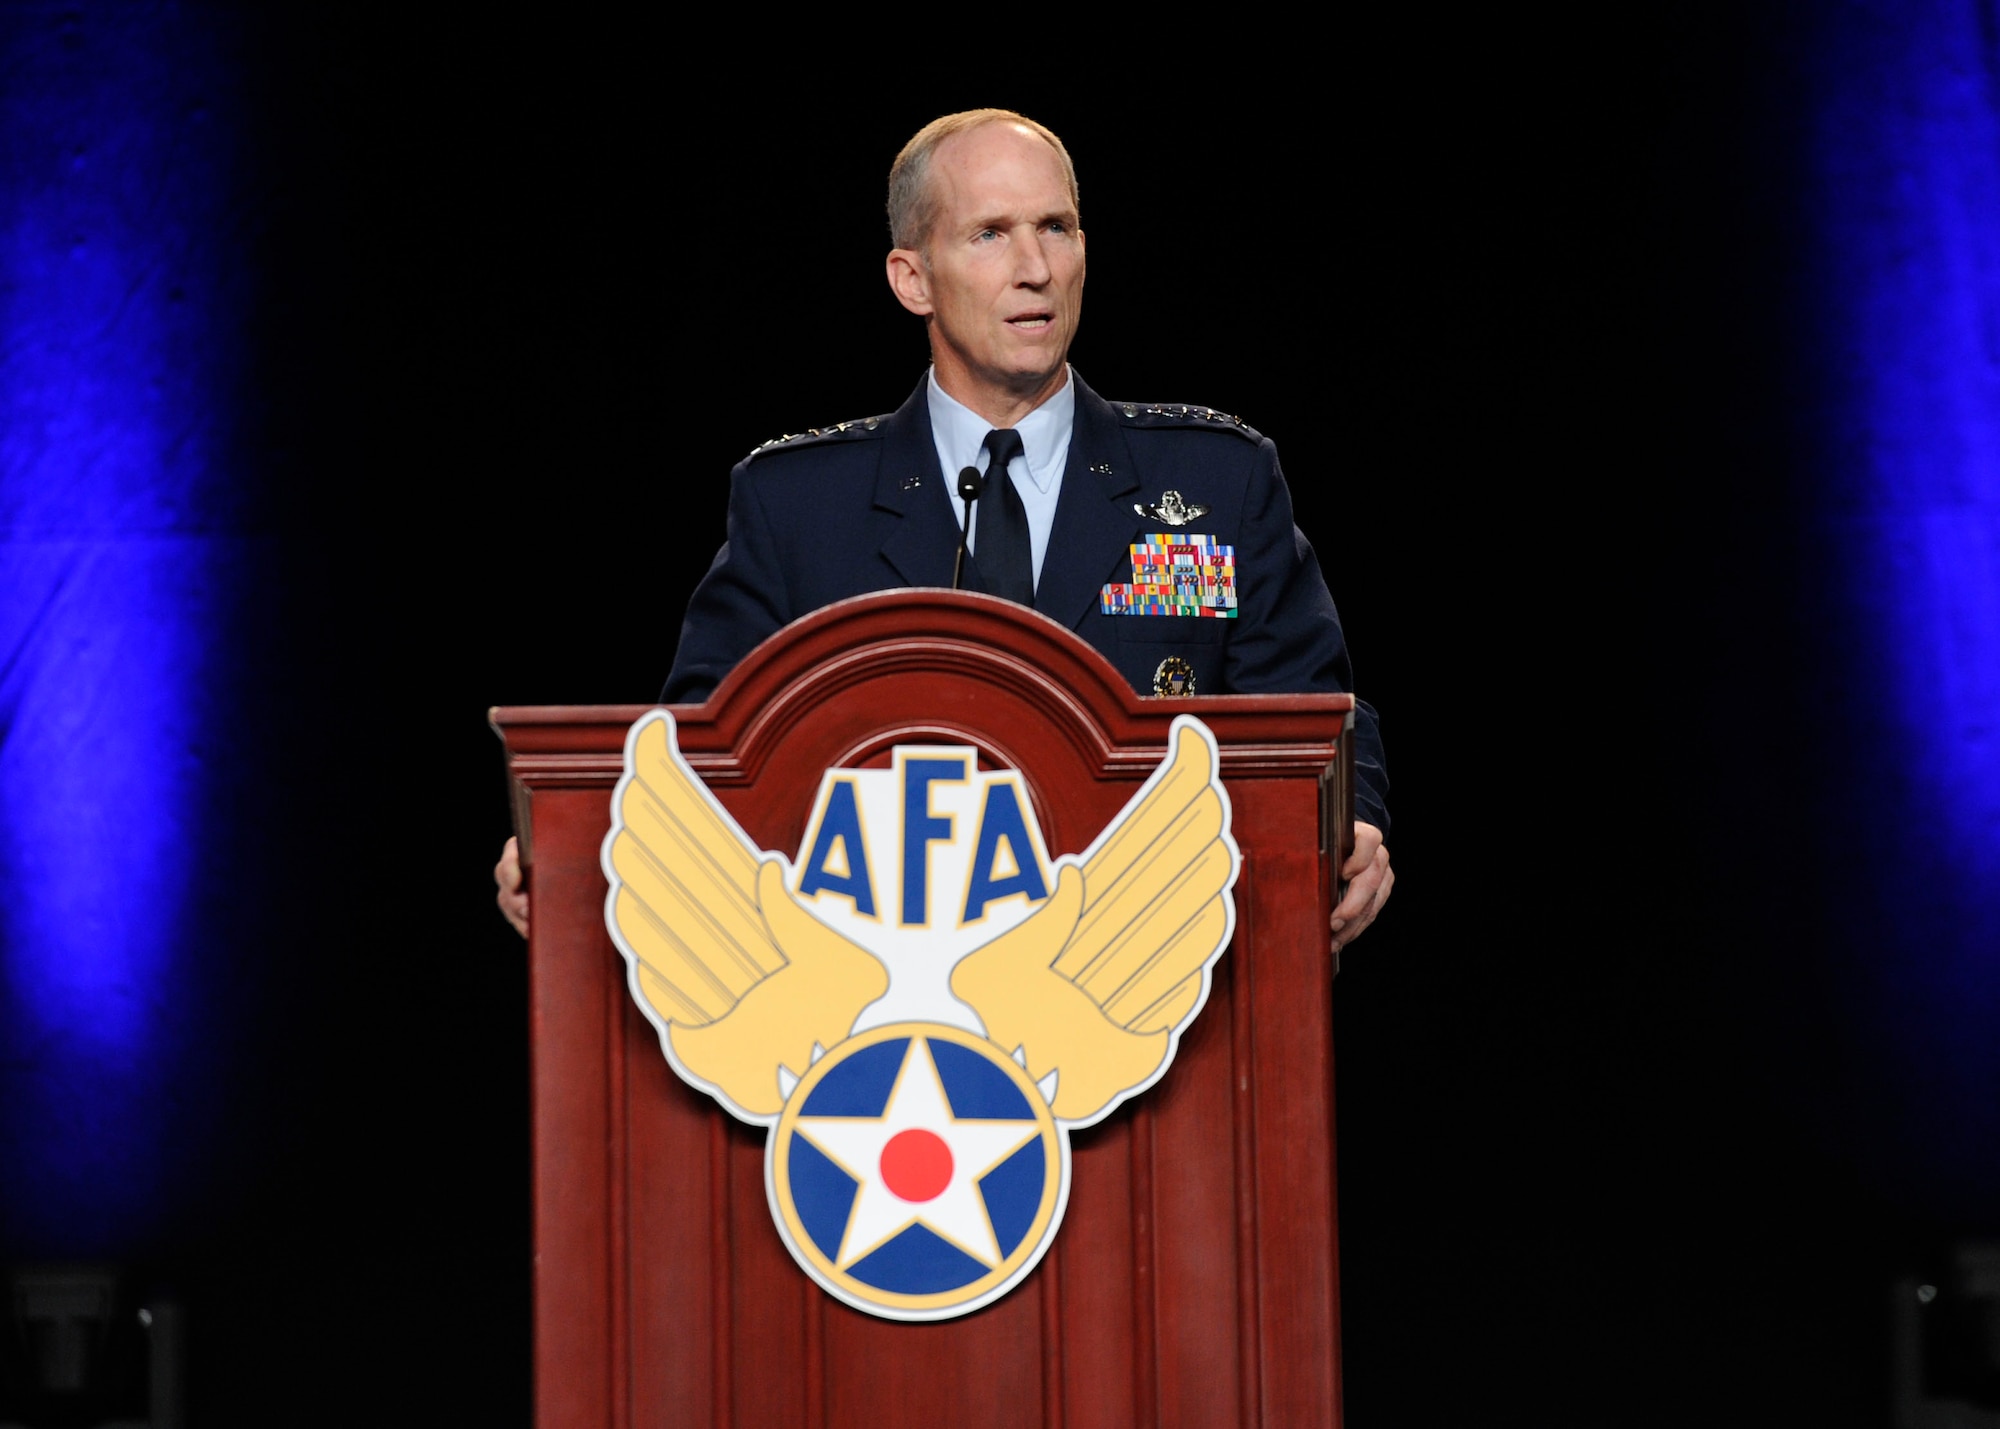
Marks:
<point>989,251</point>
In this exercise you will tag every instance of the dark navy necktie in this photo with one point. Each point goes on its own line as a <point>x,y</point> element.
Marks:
<point>1001,545</point>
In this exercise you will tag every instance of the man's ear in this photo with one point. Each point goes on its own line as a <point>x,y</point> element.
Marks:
<point>910,281</point>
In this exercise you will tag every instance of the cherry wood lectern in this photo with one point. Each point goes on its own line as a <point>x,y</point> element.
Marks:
<point>1194,1280</point>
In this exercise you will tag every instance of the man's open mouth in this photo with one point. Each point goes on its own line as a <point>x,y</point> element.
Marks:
<point>1031,320</point>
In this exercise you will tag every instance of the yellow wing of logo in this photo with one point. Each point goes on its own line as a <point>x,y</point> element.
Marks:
<point>1098,981</point>
<point>740,979</point>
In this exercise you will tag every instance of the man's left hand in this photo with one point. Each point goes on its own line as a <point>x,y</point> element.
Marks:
<point>1369,880</point>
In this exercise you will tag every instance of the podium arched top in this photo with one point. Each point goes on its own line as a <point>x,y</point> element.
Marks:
<point>909,666</point>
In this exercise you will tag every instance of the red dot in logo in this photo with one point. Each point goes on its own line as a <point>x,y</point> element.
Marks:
<point>916,1164</point>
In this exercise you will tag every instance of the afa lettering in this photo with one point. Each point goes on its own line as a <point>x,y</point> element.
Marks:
<point>921,829</point>
<point>1001,821</point>
<point>1000,853</point>
<point>839,859</point>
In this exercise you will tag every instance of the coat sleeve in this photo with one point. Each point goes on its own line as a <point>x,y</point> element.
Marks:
<point>1288,637</point>
<point>740,602</point>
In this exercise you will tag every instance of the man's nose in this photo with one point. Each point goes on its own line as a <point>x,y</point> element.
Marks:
<point>1034,271</point>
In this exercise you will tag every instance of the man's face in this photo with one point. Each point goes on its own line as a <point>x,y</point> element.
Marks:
<point>1002,283</point>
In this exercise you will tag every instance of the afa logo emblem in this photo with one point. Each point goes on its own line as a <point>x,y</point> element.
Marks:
<point>922,1004</point>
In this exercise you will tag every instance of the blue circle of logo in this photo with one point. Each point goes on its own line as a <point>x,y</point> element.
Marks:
<point>972,1218</point>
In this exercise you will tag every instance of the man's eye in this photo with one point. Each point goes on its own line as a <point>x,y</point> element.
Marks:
<point>1056,225</point>
<point>984,234</point>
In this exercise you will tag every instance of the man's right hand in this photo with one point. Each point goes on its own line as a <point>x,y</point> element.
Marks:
<point>510,895</point>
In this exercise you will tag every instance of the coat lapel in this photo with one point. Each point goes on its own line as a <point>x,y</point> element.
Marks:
<point>921,548</point>
<point>1095,523</point>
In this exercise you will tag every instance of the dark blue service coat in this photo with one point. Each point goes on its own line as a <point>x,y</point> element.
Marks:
<point>833,514</point>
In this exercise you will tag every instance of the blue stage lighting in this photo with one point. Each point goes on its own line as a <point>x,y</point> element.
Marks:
<point>117,586</point>
<point>1902,326</point>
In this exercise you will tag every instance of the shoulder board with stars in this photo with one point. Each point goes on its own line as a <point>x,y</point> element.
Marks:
<point>839,431</point>
<point>1182,414</point>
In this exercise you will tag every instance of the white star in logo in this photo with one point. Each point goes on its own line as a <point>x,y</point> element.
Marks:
<point>942,1191</point>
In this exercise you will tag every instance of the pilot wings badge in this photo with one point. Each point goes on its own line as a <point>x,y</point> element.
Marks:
<point>1173,509</point>
<point>922,1004</point>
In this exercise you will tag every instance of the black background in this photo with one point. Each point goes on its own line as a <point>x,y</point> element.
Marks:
<point>1503,291</point>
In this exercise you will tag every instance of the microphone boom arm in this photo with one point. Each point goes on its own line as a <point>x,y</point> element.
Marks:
<point>970,483</point>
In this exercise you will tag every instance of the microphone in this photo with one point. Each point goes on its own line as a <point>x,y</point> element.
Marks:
<point>970,484</point>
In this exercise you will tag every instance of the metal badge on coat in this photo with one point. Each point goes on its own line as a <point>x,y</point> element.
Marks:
<point>1172,510</point>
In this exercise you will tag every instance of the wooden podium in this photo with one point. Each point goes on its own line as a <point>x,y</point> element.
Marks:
<point>1194,1280</point>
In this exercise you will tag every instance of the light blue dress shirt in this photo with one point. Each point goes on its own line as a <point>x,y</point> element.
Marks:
<point>960,434</point>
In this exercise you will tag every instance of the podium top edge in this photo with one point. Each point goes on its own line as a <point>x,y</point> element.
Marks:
<point>503,717</point>
<point>507,716</point>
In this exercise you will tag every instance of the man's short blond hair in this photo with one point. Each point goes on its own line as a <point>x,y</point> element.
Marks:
<point>914,204</point>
